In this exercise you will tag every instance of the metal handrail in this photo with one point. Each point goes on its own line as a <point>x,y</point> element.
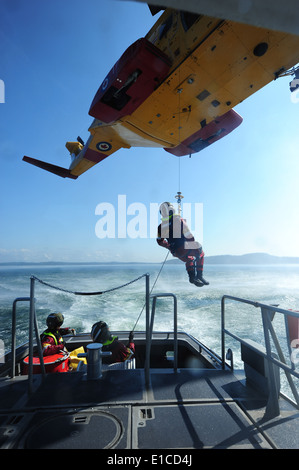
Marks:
<point>32,327</point>
<point>267,313</point>
<point>13,333</point>
<point>149,331</point>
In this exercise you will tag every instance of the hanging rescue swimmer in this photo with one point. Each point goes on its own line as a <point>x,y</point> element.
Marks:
<point>51,339</point>
<point>100,333</point>
<point>174,234</point>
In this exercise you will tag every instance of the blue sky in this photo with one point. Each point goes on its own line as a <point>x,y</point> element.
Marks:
<point>53,57</point>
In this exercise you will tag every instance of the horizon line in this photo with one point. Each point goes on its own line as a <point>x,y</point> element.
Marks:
<point>254,254</point>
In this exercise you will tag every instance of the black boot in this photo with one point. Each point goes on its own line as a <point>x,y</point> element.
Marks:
<point>193,279</point>
<point>200,279</point>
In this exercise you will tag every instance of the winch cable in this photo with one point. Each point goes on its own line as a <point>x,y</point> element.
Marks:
<point>179,195</point>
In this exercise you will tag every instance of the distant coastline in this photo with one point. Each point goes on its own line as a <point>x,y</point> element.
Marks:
<point>249,258</point>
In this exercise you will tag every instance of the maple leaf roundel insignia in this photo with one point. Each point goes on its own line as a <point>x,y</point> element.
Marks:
<point>104,146</point>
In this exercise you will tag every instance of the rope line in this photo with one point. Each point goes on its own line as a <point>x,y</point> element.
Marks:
<point>86,293</point>
<point>108,290</point>
<point>151,290</point>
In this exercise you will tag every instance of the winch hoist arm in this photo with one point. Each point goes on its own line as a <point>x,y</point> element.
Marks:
<point>179,198</point>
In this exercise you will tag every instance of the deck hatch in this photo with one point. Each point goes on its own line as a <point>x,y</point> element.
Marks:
<point>212,425</point>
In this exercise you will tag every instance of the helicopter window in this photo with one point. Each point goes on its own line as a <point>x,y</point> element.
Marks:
<point>114,99</point>
<point>188,19</point>
<point>165,27</point>
<point>199,144</point>
<point>118,98</point>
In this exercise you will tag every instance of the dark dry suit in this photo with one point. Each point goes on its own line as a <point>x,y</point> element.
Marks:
<point>120,352</point>
<point>100,333</point>
<point>174,234</point>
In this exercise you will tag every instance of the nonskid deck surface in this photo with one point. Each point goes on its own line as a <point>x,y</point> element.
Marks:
<point>185,409</point>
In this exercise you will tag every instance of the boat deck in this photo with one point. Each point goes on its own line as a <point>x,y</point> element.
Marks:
<point>161,403</point>
<point>200,408</point>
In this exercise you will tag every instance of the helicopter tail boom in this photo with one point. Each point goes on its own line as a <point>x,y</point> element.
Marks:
<point>57,170</point>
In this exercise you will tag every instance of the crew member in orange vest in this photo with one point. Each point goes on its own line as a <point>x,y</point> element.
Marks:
<point>51,339</point>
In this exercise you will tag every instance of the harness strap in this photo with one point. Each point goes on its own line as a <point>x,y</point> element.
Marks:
<point>56,339</point>
<point>110,341</point>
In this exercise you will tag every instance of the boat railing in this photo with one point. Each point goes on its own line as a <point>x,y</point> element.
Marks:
<point>149,330</point>
<point>273,358</point>
<point>13,333</point>
<point>33,326</point>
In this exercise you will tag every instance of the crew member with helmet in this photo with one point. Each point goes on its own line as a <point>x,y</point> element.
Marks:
<point>174,234</point>
<point>51,339</point>
<point>100,333</point>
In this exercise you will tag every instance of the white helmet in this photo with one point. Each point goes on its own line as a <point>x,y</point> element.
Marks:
<point>167,209</point>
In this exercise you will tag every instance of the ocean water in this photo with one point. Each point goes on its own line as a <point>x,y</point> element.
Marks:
<point>199,309</point>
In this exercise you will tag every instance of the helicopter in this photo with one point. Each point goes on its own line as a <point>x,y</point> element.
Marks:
<point>176,87</point>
